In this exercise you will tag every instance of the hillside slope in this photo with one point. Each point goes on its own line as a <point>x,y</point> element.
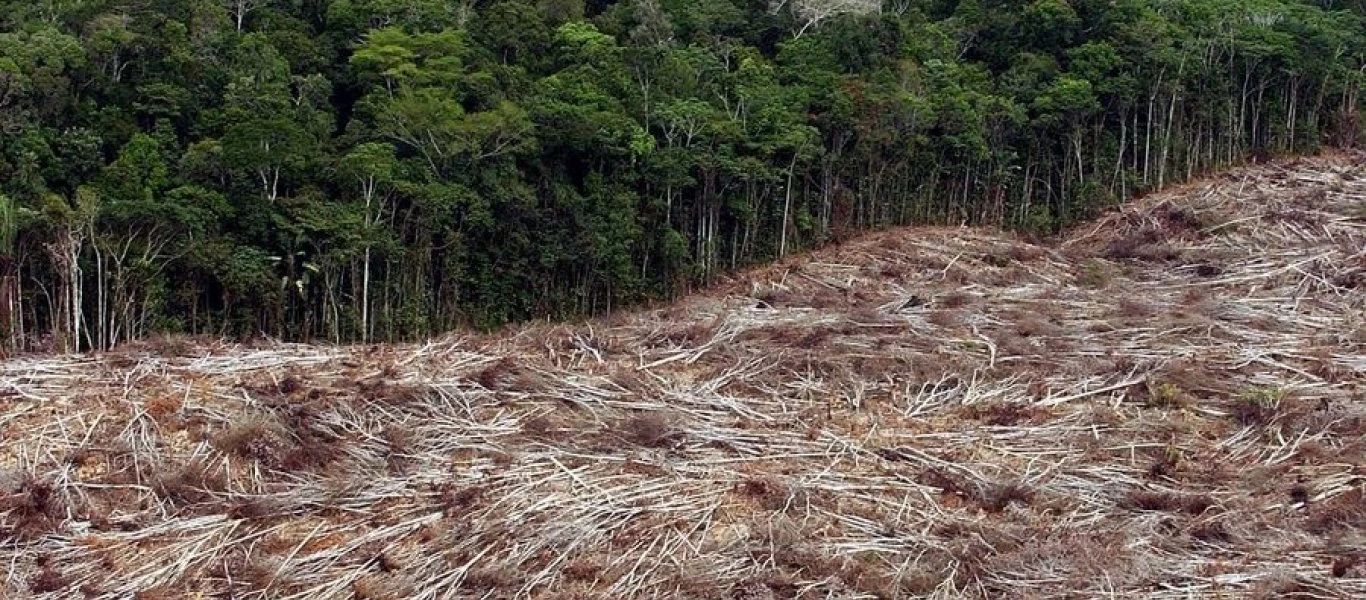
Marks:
<point>1169,404</point>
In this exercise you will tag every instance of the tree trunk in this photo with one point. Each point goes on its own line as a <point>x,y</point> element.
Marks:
<point>787,207</point>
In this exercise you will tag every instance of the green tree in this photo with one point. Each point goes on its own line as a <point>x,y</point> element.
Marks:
<point>373,166</point>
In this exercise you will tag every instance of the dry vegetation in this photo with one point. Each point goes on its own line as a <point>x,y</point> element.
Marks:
<point>1167,404</point>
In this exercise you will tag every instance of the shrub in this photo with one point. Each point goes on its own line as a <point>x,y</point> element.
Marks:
<point>1165,395</point>
<point>1259,406</point>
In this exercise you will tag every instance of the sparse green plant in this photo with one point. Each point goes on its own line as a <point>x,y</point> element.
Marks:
<point>1171,458</point>
<point>1260,405</point>
<point>1094,273</point>
<point>1165,395</point>
<point>971,345</point>
<point>1173,454</point>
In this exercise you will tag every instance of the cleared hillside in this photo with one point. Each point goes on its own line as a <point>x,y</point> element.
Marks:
<point>1169,403</point>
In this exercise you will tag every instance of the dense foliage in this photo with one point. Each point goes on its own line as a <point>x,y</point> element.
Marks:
<point>386,169</point>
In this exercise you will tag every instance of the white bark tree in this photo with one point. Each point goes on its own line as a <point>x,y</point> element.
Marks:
<point>811,13</point>
<point>239,9</point>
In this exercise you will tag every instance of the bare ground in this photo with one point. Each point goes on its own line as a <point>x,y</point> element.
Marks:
<point>1168,403</point>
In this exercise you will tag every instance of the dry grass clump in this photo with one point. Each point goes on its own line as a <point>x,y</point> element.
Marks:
<point>997,496</point>
<point>1025,253</point>
<point>1036,325</point>
<point>257,437</point>
<point>1134,308</point>
<point>492,579</point>
<point>1094,274</point>
<point>495,375</point>
<point>827,298</point>
<point>1148,244</point>
<point>1340,514</point>
<point>1358,211</point>
<point>399,447</point>
<point>890,271</point>
<point>390,393</point>
<point>1286,586</point>
<point>378,587</point>
<point>30,507</point>
<point>992,497</point>
<point>1207,270</point>
<point>1006,414</point>
<point>945,318</point>
<point>290,438</point>
<point>945,413</point>
<point>769,493</point>
<point>996,260</point>
<point>954,300</point>
<point>1345,564</point>
<point>1152,500</point>
<point>1183,380</point>
<point>1186,220</point>
<point>168,345</point>
<point>651,430</point>
<point>814,338</point>
<point>190,483</point>
<point>48,579</point>
<point>775,297</point>
<point>692,334</point>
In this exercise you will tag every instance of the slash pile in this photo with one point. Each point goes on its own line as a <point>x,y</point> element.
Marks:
<point>1169,402</point>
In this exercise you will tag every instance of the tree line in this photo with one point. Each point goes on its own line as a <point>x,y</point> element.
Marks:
<point>376,170</point>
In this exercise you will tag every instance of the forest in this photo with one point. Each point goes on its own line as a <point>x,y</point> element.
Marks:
<point>382,170</point>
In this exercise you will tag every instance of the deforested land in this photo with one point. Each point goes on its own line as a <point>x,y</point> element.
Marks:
<point>393,170</point>
<point>1166,402</point>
